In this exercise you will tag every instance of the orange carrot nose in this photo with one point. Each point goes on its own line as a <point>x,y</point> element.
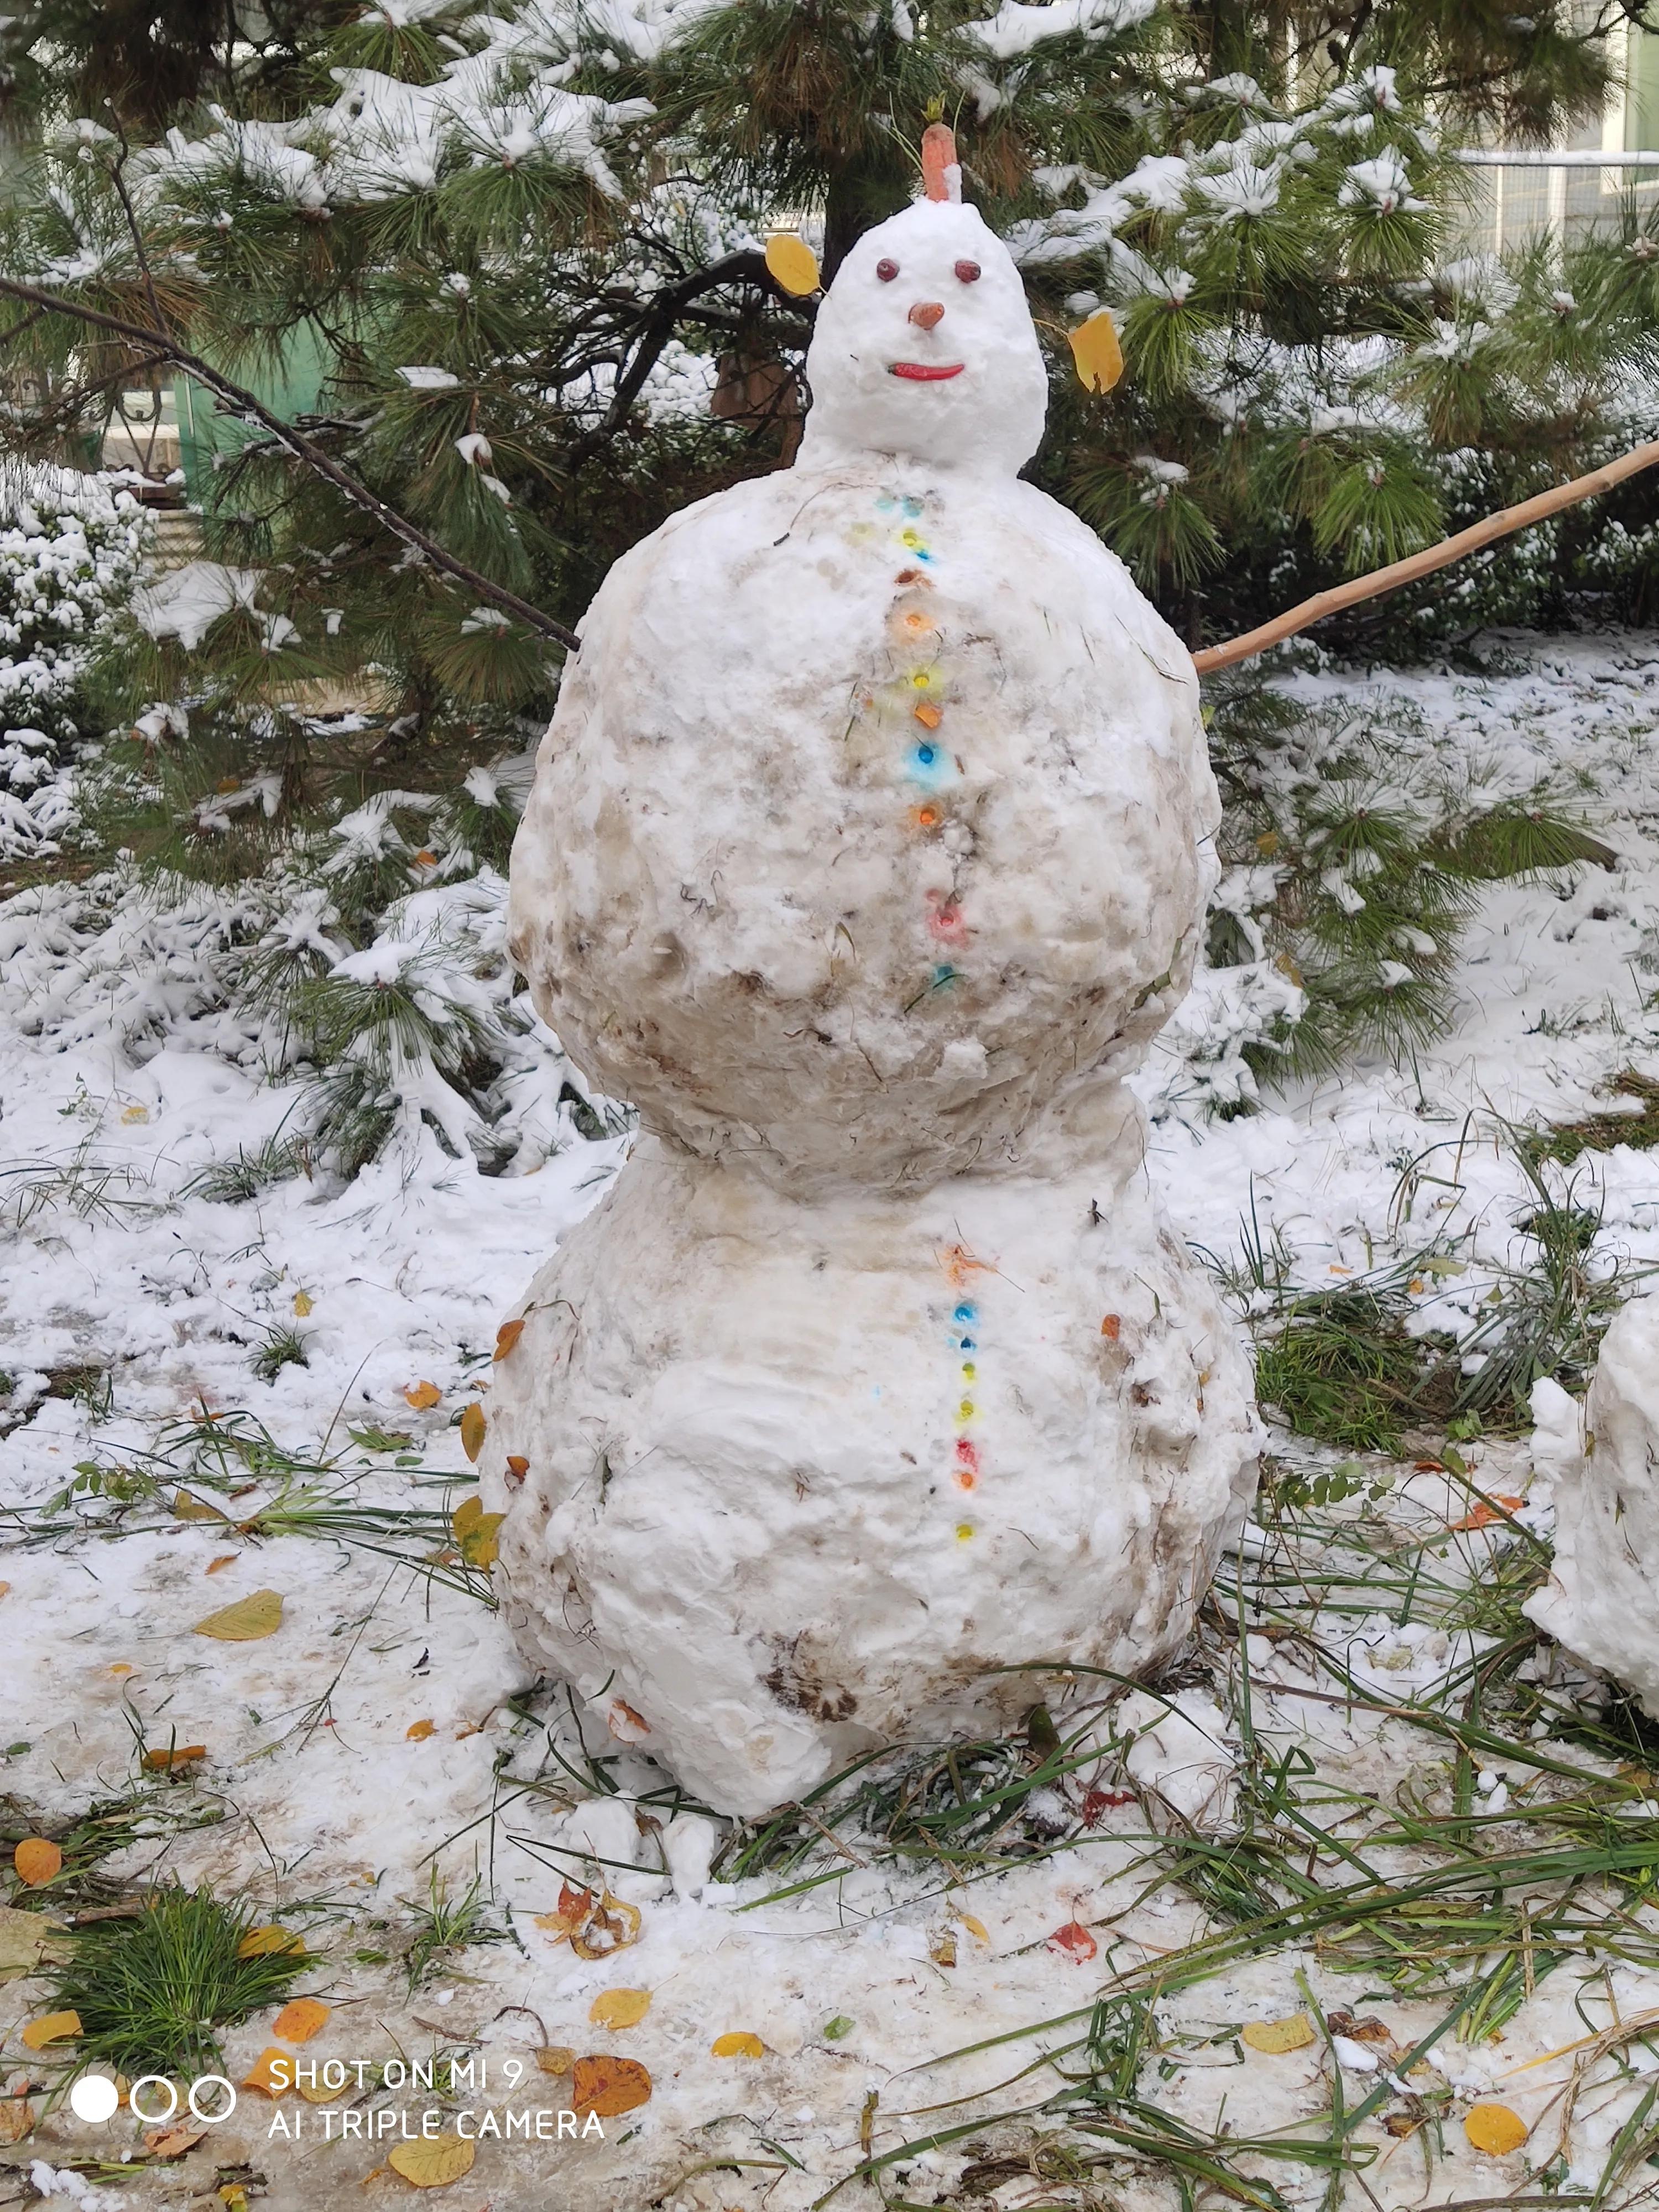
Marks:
<point>926,313</point>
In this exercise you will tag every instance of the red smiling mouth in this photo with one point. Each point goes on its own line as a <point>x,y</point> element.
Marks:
<point>925,372</point>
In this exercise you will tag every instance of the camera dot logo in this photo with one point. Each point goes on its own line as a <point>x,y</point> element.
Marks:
<point>94,2097</point>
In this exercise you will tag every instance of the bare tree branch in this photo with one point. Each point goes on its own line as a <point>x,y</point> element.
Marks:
<point>127,208</point>
<point>1503,523</point>
<point>656,327</point>
<point>303,448</point>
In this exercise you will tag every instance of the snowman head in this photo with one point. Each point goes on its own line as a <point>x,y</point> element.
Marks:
<point>923,346</point>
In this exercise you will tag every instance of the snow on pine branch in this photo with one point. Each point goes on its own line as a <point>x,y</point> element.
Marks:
<point>380,136</point>
<point>1242,175</point>
<point>1016,28</point>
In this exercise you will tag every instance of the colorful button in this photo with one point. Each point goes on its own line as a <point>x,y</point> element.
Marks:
<point>929,764</point>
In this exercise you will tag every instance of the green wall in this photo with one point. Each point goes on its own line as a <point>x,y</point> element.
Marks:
<point>290,386</point>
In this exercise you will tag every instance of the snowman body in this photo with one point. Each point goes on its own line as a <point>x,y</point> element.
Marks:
<point>860,881</point>
<point>868,850</point>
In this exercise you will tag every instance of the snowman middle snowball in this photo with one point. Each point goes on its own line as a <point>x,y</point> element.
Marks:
<point>868,850</point>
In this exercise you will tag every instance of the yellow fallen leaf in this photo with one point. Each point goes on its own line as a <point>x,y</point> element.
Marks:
<point>225,1559</point>
<point>433,2161</point>
<point>1276,2036</point>
<point>272,2071</point>
<point>300,2019</point>
<point>609,2086</point>
<point>38,1861</point>
<point>320,2092</point>
<point>136,1114</point>
<point>974,1926</point>
<point>474,1428</point>
<point>555,2058</point>
<point>612,1925</point>
<point>271,1941</point>
<point>231,2196</point>
<point>1096,350</point>
<point>792,263</point>
<point>507,1335</point>
<point>482,1548</point>
<point>178,1754</point>
<point>577,1908</point>
<point>418,1731</point>
<point>620,2007</point>
<point>17,2120</point>
<point>122,1667</point>
<point>738,2043</point>
<point>51,2027</point>
<point>303,1304</point>
<point>172,2142</point>
<point>247,1621</point>
<point>27,1941</point>
<point>423,1396</point>
<point>475,1530</point>
<point>1495,2130</point>
<point>4,1587</point>
<point>188,1508</point>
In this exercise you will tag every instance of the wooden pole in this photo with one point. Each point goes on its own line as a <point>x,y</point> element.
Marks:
<point>1501,525</point>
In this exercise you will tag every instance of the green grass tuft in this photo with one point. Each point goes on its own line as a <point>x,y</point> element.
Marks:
<point>152,1993</point>
<point>445,1925</point>
<point>1342,1367</point>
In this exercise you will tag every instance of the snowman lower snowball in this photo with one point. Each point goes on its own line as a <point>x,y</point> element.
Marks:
<point>868,851</point>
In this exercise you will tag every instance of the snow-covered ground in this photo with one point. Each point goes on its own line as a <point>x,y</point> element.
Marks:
<point>386,1736</point>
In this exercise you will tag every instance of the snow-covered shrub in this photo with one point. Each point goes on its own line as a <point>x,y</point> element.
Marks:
<point>1353,859</point>
<point>367,963</point>
<point>70,551</point>
<point>1235,1021</point>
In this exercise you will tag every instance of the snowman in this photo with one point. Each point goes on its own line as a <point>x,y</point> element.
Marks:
<point>868,850</point>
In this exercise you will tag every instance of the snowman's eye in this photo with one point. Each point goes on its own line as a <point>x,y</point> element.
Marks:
<point>887,271</point>
<point>968,271</point>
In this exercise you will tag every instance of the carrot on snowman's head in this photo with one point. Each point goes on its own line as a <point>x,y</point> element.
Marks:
<point>941,172</point>
<point>923,346</point>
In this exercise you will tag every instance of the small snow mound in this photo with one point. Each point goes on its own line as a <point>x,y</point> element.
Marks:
<point>1178,1750</point>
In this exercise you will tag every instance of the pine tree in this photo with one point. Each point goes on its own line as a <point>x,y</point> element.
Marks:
<point>528,248</point>
<point>544,216</point>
